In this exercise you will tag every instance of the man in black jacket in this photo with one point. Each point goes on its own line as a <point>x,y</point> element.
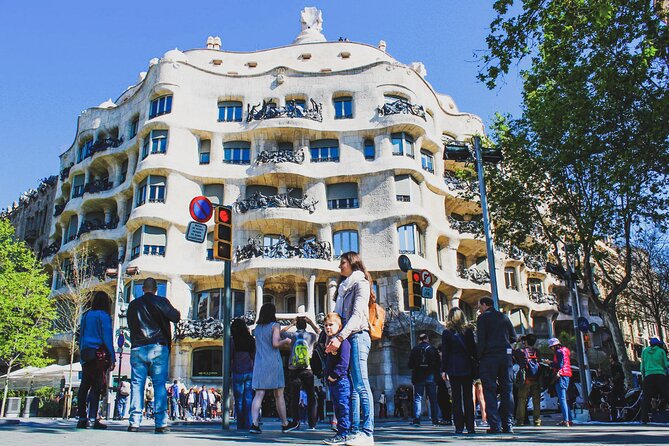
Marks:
<point>495,334</point>
<point>149,320</point>
<point>424,363</point>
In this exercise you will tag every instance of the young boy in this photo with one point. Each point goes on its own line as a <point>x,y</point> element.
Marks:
<point>336,371</point>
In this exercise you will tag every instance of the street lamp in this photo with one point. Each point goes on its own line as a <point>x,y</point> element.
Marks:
<point>461,152</point>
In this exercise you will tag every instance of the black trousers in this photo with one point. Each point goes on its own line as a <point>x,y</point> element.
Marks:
<point>444,400</point>
<point>302,379</point>
<point>91,381</point>
<point>653,385</point>
<point>463,402</point>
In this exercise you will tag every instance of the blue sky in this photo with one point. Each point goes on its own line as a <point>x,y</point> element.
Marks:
<point>59,58</point>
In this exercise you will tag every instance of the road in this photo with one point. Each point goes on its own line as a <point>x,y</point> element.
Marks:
<point>43,432</point>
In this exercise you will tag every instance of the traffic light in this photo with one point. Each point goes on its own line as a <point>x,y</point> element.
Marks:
<point>413,288</point>
<point>223,233</point>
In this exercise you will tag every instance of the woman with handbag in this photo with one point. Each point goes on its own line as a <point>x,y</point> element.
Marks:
<point>459,366</point>
<point>97,356</point>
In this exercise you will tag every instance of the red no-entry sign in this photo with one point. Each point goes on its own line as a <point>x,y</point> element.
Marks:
<point>200,209</point>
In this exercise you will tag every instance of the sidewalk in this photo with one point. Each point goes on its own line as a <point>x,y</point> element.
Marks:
<point>56,432</point>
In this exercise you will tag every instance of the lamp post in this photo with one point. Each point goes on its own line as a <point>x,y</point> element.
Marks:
<point>119,313</point>
<point>462,152</point>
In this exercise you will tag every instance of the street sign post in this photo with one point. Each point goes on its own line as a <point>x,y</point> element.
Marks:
<point>583,324</point>
<point>427,292</point>
<point>201,209</point>
<point>196,232</point>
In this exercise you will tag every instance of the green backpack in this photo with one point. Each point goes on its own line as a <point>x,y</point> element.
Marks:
<point>300,354</point>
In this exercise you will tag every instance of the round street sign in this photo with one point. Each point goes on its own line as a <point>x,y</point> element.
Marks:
<point>200,209</point>
<point>593,327</point>
<point>583,324</point>
<point>426,278</point>
<point>404,263</point>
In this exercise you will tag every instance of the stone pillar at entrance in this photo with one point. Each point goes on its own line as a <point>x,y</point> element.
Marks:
<point>332,290</point>
<point>311,297</point>
<point>386,349</point>
<point>259,295</point>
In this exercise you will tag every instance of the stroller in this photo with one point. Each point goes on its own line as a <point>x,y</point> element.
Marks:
<point>625,408</point>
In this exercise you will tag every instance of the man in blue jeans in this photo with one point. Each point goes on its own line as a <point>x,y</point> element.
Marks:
<point>424,364</point>
<point>149,318</point>
<point>495,335</point>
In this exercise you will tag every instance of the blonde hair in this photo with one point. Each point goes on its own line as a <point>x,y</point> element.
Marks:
<point>334,317</point>
<point>456,319</point>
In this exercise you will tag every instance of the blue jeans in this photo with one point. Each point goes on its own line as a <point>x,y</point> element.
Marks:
<point>340,392</point>
<point>121,402</point>
<point>498,370</point>
<point>561,387</point>
<point>241,388</point>
<point>149,360</point>
<point>362,403</point>
<point>174,406</point>
<point>149,409</point>
<point>418,389</point>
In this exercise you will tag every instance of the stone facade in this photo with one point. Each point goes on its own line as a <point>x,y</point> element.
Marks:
<point>372,132</point>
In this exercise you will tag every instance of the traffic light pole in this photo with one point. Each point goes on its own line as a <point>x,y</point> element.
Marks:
<point>486,223</point>
<point>227,316</point>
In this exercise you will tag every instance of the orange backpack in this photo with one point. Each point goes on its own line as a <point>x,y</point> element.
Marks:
<point>377,318</point>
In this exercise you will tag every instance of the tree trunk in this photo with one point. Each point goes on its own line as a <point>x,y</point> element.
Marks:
<point>611,320</point>
<point>658,323</point>
<point>4,396</point>
<point>68,400</point>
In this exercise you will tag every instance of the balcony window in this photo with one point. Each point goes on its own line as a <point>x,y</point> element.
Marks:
<point>155,143</point>
<point>427,161</point>
<point>462,261</point>
<point>345,241</point>
<point>78,186</point>
<point>369,150</point>
<point>209,303</point>
<point>204,151</point>
<point>155,186</point>
<point>124,172</point>
<point>214,192</point>
<point>342,196</point>
<point>148,240</point>
<point>72,229</point>
<point>402,144</point>
<point>237,152</point>
<point>324,150</point>
<point>411,239</point>
<point>510,278</point>
<point>343,107</point>
<point>84,150</point>
<point>160,106</point>
<point>534,286</point>
<point>230,111</point>
<point>207,362</point>
<point>134,127</point>
<point>406,189</point>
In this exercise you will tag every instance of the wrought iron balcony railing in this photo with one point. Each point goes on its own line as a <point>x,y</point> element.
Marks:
<point>280,156</point>
<point>401,106</point>
<point>282,249</point>
<point>543,298</point>
<point>261,201</point>
<point>65,172</point>
<point>104,144</point>
<point>458,184</point>
<point>210,328</point>
<point>478,276</point>
<point>99,185</point>
<point>471,226</point>
<point>268,110</point>
<point>88,226</point>
<point>58,209</point>
<point>51,249</point>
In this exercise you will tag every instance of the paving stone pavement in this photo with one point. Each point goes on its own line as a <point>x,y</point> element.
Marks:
<point>49,432</point>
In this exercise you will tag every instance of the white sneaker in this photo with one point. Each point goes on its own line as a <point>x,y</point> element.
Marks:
<point>361,440</point>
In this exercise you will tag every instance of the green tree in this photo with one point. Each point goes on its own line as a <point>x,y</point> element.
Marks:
<point>26,312</point>
<point>586,163</point>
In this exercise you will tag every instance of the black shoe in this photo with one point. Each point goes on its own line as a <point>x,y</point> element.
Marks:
<point>163,430</point>
<point>415,423</point>
<point>82,424</point>
<point>459,432</point>
<point>493,431</point>
<point>290,426</point>
<point>98,425</point>
<point>133,429</point>
<point>255,429</point>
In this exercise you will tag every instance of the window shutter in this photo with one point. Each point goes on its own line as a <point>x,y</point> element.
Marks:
<point>342,190</point>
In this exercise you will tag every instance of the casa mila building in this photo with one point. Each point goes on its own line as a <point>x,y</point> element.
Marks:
<point>321,147</point>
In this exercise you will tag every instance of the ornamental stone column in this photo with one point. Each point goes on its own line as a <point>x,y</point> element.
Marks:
<point>311,297</point>
<point>259,294</point>
<point>332,290</point>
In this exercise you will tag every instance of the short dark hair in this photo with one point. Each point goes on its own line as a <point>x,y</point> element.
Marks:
<point>150,285</point>
<point>175,381</point>
<point>101,302</point>
<point>267,314</point>
<point>301,323</point>
<point>531,339</point>
<point>486,301</point>
<point>423,337</point>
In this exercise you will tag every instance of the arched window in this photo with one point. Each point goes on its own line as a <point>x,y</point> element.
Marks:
<point>207,362</point>
<point>345,241</point>
<point>160,106</point>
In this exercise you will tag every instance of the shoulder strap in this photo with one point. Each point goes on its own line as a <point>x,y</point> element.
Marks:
<point>457,335</point>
